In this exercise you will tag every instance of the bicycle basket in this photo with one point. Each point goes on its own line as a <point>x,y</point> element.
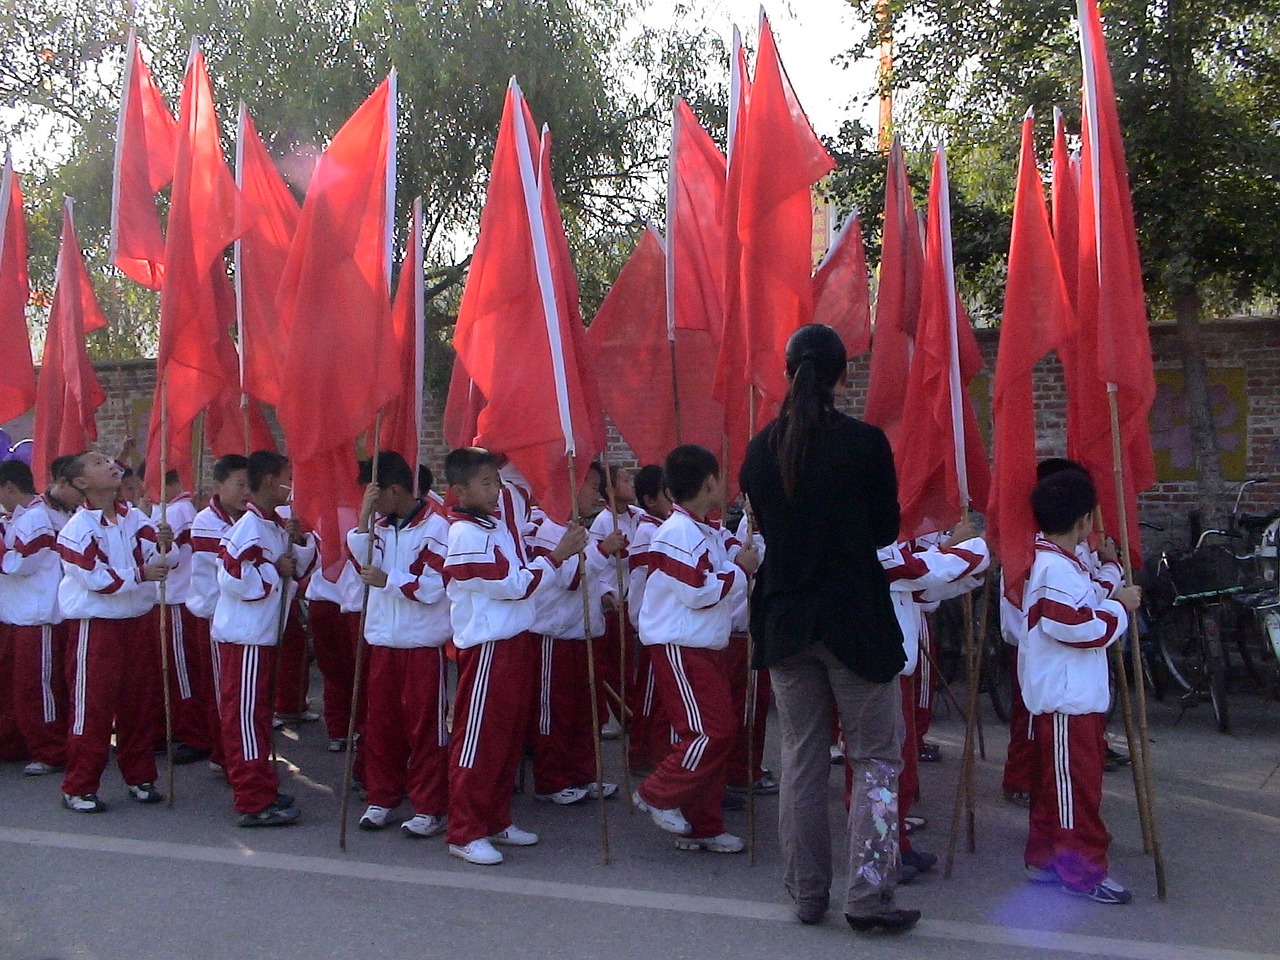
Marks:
<point>1206,572</point>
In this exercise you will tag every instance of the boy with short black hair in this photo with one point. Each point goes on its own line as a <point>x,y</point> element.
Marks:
<point>491,583</point>
<point>689,599</point>
<point>1062,663</point>
<point>261,558</point>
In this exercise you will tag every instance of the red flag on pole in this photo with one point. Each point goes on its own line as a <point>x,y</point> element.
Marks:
<point>68,392</point>
<point>1112,303</point>
<point>897,300</point>
<point>342,361</point>
<point>402,420</point>
<point>842,289</point>
<point>942,466</point>
<point>511,336</point>
<point>1036,316</point>
<point>146,144</point>
<point>194,342</point>
<point>266,219</point>
<point>776,161</point>
<point>462,407</point>
<point>695,227</point>
<point>229,427</point>
<point>17,371</point>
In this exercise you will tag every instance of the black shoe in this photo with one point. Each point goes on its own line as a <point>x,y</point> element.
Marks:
<point>145,792</point>
<point>272,816</point>
<point>283,800</point>
<point>1018,798</point>
<point>929,753</point>
<point>732,802</point>
<point>907,874</point>
<point>923,862</point>
<point>1116,757</point>
<point>891,921</point>
<point>811,911</point>
<point>184,753</point>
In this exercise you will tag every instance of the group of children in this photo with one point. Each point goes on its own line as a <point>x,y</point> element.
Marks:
<point>653,595</point>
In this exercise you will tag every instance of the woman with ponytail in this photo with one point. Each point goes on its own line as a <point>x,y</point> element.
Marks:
<point>824,493</point>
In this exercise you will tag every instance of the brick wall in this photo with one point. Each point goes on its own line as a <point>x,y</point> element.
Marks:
<point>1245,354</point>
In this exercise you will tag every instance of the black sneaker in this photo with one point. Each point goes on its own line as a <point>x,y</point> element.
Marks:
<point>184,753</point>
<point>1108,892</point>
<point>731,802</point>
<point>145,792</point>
<point>891,921</point>
<point>283,800</point>
<point>923,862</point>
<point>272,816</point>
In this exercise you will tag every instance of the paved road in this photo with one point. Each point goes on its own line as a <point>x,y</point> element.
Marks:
<point>142,883</point>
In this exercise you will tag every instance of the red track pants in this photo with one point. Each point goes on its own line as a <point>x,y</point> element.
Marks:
<point>406,742</point>
<point>245,704</point>
<point>563,744</point>
<point>293,673</point>
<point>333,639</point>
<point>40,691</point>
<point>1067,832</point>
<point>204,653</point>
<point>650,730</point>
<point>12,746</point>
<point>739,772</point>
<point>1020,763</point>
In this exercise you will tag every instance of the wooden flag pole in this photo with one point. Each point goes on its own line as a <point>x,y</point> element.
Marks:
<point>1142,779</point>
<point>675,389</point>
<point>623,646</point>
<point>963,805</point>
<point>164,593</point>
<point>348,764</point>
<point>751,674</point>
<point>591,665</point>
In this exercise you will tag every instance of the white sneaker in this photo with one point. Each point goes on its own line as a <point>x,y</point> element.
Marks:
<point>477,851</point>
<point>610,730</point>
<point>89,803</point>
<point>37,769</point>
<point>375,818</point>
<point>672,821</point>
<point>593,790</point>
<point>215,767</point>
<point>563,797</point>
<point>145,792</point>
<point>424,825</point>
<point>837,752</point>
<point>724,843</point>
<point>513,836</point>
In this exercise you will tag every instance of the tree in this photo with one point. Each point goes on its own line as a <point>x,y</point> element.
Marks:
<point>1199,88</point>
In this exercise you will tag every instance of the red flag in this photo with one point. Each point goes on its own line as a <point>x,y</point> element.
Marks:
<point>942,467</point>
<point>897,300</point>
<point>17,372</point>
<point>194,340</point>
<point>402,420</point>
<point>342,361</point>
<point>1036,315</point>
<point>695,227</point>
<point>1114,349</point>
<point>842,289</point>
<point>511,334</point>
<point>68,392</point>
<point>233,422</point>
<point>146,144</point>
<point>266,220</point>
<point>462,407</point>
<point>1065,198</point>
<point>769,245</point>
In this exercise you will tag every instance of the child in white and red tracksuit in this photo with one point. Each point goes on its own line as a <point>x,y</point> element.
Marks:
<point>1062,663</point>
<point>609,654</point>
<point>689,599</point>
<point>261,557</point>
<point>491,582</point>
<point>110,561</point>
<point>406,742</point>
<point>650,732</point>
<point>334,610</point>
<point>564,769</point>
<point>30,572</point>
<point>920,577</point>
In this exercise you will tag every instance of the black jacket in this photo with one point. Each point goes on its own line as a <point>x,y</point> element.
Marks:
<point>820,580</point>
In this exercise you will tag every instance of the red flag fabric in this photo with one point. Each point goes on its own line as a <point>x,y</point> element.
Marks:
<point>942,466</point>
<point>227,427</point>
<point>897,300</point>
<point>462,407</point>
<point>1065,199</point>
<point>769,246</point>
<point>192,362</point>
<point>17,371</point>
<point>342,361</point>
<point>402,419</point>
<point>68,393</point>
<point>1114,337</point>
<point>842,289</point>
<point>146,145</point>
<point>266,220</point>
<point>1036,316</point>
<point>695,227</point>
<point>511,334</point>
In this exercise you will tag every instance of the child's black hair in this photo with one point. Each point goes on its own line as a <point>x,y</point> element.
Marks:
<point>1060,500</point>
<point>461,465</point>
<point>19,474</point>
<point>648,484</point>
<point>393,470</point>
<point>58,468</point>
<point>226,465</point>
<point>263,464</point>
<point>687,469</point>
<point>1051,465</point>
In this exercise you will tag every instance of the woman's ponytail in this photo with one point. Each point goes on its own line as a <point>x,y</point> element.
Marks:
<point>816,360</point>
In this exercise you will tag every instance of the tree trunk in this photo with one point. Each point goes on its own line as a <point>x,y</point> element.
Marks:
<point>1187,309</point>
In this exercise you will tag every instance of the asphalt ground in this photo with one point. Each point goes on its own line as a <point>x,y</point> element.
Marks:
<point>141,882</point>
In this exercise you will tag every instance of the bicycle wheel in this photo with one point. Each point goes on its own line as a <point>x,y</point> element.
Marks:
<point>1215,658</point>
<point>1177,634</point>
<point>999,678</point>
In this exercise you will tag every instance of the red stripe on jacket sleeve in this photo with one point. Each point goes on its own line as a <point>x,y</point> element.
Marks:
<point>1046,609</point>
<point>678,570</point>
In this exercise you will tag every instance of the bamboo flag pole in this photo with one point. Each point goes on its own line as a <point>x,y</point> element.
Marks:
<point>751,674</point>
<point>348,765</point>
<point>1142,781</point>
<point>591,663</point>
<point>623,646</point>
<point>164,592</point>
<point>239,277</point>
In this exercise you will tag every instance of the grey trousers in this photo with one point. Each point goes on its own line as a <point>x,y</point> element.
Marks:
<point>806,685</point>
